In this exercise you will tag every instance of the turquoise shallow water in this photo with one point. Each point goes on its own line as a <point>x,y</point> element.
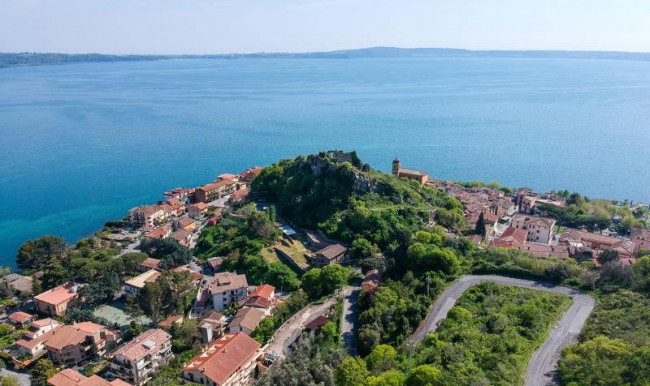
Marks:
<point>81,144</point>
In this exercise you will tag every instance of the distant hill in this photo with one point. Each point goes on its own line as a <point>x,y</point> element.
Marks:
<point>36,59</point>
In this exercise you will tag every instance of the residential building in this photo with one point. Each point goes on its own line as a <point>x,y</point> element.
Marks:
<point>196,276</point>
<point>147,264</point>
<point>180,194</point>
<point>246,320</point>
<point>70,377</point>
<point>575,238</point>
<point>317,323</point>
<point>214,264</point>
<point>511,238</point>
<point>56,301</point>
<point>38,328</point>
<point>182,236</point>
<point>228,361</point>
<point>71,345</point>
<point>135,285</point>
<point>249,174</point>
<point>333,253</point>
<point>540,229</point>
<point>19,283</point>
<point>138,360</point>
<point>33,348</point>
<point>212,326</point>
<point>20,318</point>
<point>228,288</point>
<point>168,322</point>
<point>214,191</point>
<point>417,175</point>
<point>197,210</point>
<point>161,232</point>
<point>185,223</point>
<point>177,206</point>
<point>149,216</point>
<point>641,239</point>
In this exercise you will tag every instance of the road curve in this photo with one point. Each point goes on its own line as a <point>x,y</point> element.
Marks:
<point>542,368</point>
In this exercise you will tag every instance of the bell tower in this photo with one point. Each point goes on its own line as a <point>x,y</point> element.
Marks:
<point>396,167</point>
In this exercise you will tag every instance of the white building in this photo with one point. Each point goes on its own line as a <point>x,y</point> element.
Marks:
<point>137,361</point>
<point>228,288</point>
<point>540,229</point>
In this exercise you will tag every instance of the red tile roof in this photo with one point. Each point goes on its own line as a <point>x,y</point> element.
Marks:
<point>224,357</point>
<point>137,349</point>
<point>317,323</point>
<point>58,295</point>
<point>20,317</point>
<point>265,290</point>
<point>511,238</point>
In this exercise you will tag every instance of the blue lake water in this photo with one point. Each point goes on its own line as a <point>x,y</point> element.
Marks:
<point>81,144</point>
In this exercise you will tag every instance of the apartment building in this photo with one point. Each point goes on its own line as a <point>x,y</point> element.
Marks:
<point>228,288</point>
<point>56,301</point>
<point>228,361</point>
<point>149,216</point>
<point>215,190</point>
<point>137,361</point>
<point>70,377</point>
<point>71,345</point>
<point>540,229</point>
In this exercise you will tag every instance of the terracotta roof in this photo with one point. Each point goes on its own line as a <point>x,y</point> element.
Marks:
<point>534,220</point>
<point>226,281</point>
<point>22,284</point>
<point>195,275</point>
<point>144,278</point>
<point>180,235</point>
<point>216,185</point>
<point>200,205</point>
<point>258,301</point>
<point>332,251</point>
<point>185,221</point>
<point>540,250</point>
<point>67,336</point>
<point>69,377</point>
<point>58,295</point>
<point>158,233</point>
<point>412,172</point>
<point>43,322</point>
<point>150,262</point>
<point>224,357</point>
<point>317,323</point>
<point>143,344</point>
<point>227,176</point>
<point>265,290</point>
<point>247,317</point>
<point>511,238</point>
<point>20,317</point>
<point>171,319</point>
<point>30,344</point>
<point>89,327</point>
<point>251,173</point>
<point>589,237</point>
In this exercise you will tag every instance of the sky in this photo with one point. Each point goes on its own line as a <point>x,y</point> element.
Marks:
<point>244,26</point>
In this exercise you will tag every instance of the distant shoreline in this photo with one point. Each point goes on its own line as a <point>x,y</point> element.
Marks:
<point>27,59</point>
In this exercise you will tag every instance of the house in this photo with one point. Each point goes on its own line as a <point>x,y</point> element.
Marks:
<point>38,328</point>
<point>185,223</point>
<point>180,194</point>
<point>214,191</point>
<point>546,251</point>
<point>333,253</point>
<point>56,301</point>
<point>317,323</point>
<point>20,318</point>
<point>171,320</point>
<point>196,277</point>
<point>148,264</point>
<point>227,177</point>
<point>249,174</point>
<point>540,229</point>
<point>511,238</point>
<point>597,242</point>
<point>135,285</point>
<point>641,239</point>
<point>246,320</point>
<point>138,360</point>
<point>161,232</point>
<point>33,348</point>
<point>417,175</point>
<point>211,326</point>
<point>149,216</point>
<point>182,236</point>
<point>229,360</point>
<point>19,283</point>
<point>371,281</point>
<point>214,264</point>
<point>71,345</point>
<point>197,210</point>
<point>70,377</point>
<point>227,288</point>
<point>177,206</point>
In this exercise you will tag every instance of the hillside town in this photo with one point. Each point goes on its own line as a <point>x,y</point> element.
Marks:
<point>227,309</point>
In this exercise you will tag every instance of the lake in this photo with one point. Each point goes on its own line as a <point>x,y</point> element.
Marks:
<point>83,143</point>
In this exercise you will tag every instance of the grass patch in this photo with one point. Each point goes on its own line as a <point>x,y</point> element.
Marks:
<point>295,250</point>
<point>269,255</point>
<point>491,333</point>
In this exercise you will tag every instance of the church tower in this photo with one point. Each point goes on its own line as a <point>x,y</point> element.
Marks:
<point>396,167</point>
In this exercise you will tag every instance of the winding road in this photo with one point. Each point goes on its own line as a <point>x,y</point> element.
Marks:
<point>542,368</point>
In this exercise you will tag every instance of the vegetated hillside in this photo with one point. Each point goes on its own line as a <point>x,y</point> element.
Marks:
<point>337,193</point>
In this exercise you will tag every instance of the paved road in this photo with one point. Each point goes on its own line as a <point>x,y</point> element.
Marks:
<point>542,368</point>
<point>291,329</point>
<point>348,331</point>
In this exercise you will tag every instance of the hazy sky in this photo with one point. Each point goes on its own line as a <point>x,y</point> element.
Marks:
<point>226,26</point>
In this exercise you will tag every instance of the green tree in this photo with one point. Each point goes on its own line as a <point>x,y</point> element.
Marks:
<point>362,248</point>
<point>641,274</point>
<point>352,372</point>
<point>382,358</point>
<point>42,371</point>
<point>10,381</point>
<point>37,253</point>
<point>608,256</point>
<point>151,300</point>
<point>368,340</point>
<point>480,225</point>
<point>425,375</point>
<point>281,276</point>
<point>389,378</point>
<point>333,277</point>
<point>311,283</point>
